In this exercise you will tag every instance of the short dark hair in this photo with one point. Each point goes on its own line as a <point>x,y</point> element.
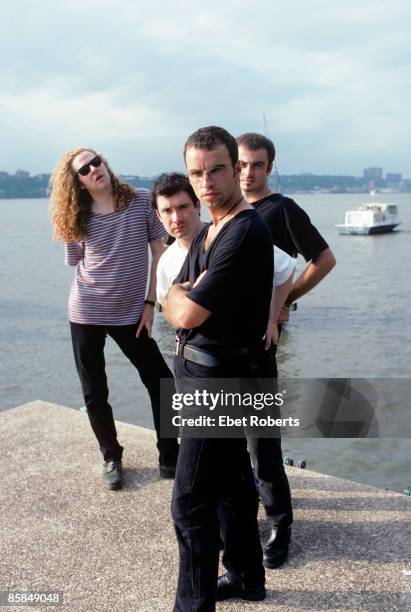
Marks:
<point>170,183</point>
<point>210,138</point>
<point>254,141</point>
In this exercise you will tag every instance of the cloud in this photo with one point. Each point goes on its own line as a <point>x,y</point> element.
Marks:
<point>332,79</point>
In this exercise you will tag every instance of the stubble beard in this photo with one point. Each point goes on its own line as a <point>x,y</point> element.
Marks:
<point>251,188</point>
<point>216,205</point>
<point>246,189</point>
<point>224,204</point>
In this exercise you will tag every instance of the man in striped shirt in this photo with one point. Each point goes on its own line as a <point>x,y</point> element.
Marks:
<point>107,227</point>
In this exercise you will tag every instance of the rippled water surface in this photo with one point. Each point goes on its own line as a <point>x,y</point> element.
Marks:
<point>356,323</point>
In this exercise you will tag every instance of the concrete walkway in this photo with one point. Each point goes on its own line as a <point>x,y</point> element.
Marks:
<point>112,551</point>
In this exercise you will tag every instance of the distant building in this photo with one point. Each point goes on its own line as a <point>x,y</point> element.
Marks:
<point>129,177</point>
<point>22,174</point>
<point>372,173</point>
<point>406,185</point>
<point>393,177</point>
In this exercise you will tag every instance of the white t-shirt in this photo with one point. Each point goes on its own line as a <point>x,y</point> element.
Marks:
<point>171,261</point>
<point>169,265</point>
<point>284,266</point>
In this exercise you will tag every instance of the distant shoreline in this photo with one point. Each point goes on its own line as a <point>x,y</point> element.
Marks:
<point>293,192</point>
<point>24,186</point>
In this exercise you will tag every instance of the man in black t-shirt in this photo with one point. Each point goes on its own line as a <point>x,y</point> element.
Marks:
<point>220,306</point>
<point>290,226</point>
<point>292,231</point>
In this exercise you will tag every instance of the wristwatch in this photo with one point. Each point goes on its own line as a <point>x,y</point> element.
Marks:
<point>150,302</point>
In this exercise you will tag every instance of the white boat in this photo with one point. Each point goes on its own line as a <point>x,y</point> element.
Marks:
<point>370,219</point>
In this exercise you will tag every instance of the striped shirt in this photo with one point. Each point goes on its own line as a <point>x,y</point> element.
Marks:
<point>110,280</point>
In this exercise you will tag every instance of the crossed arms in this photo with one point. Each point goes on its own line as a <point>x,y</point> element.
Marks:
<point>180,311</point>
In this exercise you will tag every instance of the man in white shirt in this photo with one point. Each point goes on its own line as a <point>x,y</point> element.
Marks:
<point>179,210</point>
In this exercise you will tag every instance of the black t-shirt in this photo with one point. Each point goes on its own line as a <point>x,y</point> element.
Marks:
<point>290,226</point>
<point>236,288</point>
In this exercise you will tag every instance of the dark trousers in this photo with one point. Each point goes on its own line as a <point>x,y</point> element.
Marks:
<point>266,454</point>
<point>143,352</point>
<point>273,486</point>
<point>212,473</point>
<point>267,459</point>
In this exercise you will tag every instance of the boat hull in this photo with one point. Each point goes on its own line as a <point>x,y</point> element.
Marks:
<point>368,231</point>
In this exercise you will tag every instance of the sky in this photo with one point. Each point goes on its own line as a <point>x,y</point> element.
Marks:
<point>134,79</point>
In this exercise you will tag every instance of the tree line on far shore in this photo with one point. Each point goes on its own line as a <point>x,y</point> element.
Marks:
<point>22,185</point>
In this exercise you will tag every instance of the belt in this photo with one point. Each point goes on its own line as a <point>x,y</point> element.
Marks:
<point>185,351</point>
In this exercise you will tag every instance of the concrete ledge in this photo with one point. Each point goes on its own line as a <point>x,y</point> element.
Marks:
<point>116,551</point>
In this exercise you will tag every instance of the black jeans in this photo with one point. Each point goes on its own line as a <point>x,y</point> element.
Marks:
<point>267,461</point>
<point>143,352</point>
<point>212,474</point>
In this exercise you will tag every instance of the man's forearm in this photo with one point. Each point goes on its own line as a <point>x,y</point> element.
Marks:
<point>312,275</point>
<point>180,311</point>
<point>174,304</point>
<point>279,295</point>
<point>151,293</point>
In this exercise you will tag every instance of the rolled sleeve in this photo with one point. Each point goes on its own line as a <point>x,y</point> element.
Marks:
<point>212,290</point>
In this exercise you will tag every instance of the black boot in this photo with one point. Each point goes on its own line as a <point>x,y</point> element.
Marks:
<point>230,586</point>
<point>275,550</point>
<point>168,462</point>
<point>113,474</point>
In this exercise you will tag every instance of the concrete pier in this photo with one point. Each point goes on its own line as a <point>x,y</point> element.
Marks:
<point>110,551</point>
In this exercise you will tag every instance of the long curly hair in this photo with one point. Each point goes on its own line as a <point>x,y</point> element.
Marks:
<point>70,205</point>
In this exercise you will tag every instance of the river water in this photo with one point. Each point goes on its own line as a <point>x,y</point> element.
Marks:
<point>356,323</point>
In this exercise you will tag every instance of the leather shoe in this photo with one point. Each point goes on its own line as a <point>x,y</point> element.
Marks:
<point>228,587</point>
<point>167,464</point>
<point>275,550</point>
<point>113,474</point>
<point>167,470</point>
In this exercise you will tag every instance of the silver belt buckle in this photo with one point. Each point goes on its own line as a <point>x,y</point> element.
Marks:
<point>177,348</point>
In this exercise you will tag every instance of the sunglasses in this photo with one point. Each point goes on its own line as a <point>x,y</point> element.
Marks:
<point>95,162</point>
